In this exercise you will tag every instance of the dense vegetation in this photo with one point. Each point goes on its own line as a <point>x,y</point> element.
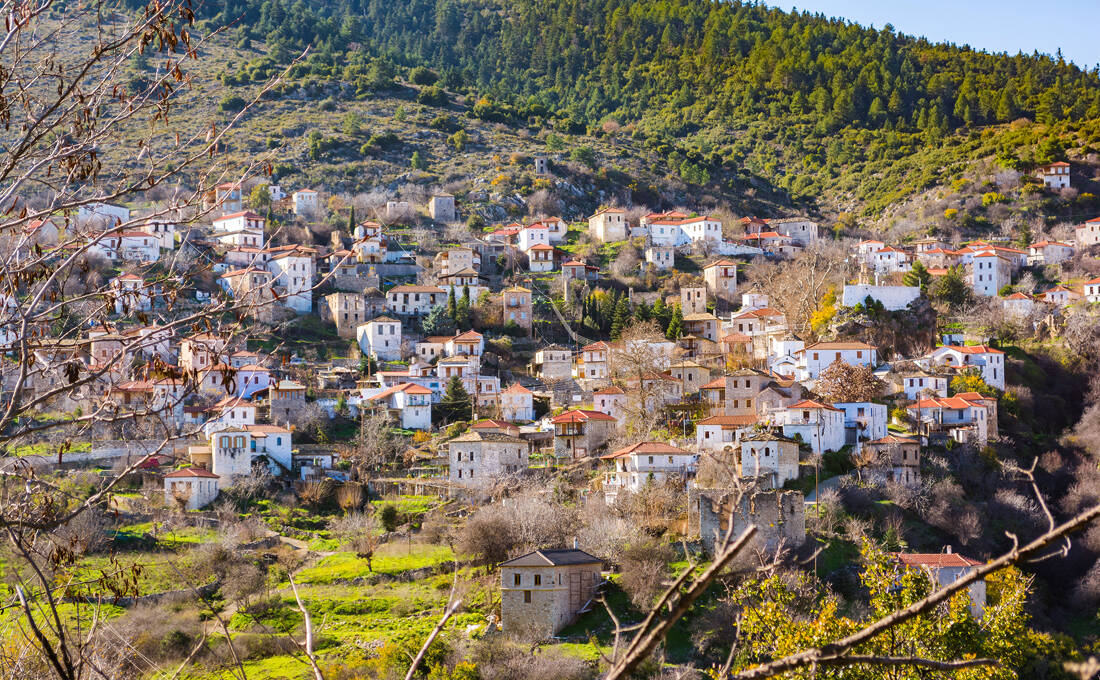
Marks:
<point>722,90</point>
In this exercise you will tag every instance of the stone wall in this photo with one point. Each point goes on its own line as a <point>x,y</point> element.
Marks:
<point>779,516</point>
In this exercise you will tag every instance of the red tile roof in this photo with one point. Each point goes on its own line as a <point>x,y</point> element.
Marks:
<point>611,389</point>
<point>728,421</point>
<point>811,404</point>
<point>243,213</point>
<point>191,472</point>
<point>648,448</point>
<point>580,416</point>
<point>935,560</point>
<point>972,349</point>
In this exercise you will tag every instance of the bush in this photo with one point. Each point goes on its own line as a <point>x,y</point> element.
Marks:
<point>388,517</point>
<point>231,103</point>
<point>644,566</point>
<point>584,154</point>
<point>421,75</point>
<point>432,96</point>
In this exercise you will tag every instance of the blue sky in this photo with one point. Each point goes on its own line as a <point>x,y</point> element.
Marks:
<point>1004,26</point>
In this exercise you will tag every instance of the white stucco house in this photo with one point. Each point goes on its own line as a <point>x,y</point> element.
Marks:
<point>815,358</point>
<point>819,425</point>
<point>989,361</point>
<point>381,338</point>
<point>633,467</point>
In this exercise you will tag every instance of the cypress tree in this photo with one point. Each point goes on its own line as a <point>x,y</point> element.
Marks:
<point>675,324</point>
<point>622,317</point>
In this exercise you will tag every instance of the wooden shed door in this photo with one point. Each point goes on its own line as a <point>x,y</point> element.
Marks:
<point>576,591</point>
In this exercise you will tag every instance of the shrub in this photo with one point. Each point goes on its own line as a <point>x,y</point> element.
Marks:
<point>421,75</point>
<point>231,103</point>
<point>432,96</point>
<point>388,517</point>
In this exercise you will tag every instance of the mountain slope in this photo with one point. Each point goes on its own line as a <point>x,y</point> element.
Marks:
<point>720,91</point>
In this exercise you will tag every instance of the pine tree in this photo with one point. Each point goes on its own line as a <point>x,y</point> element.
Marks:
<point>438,322</point>
<point>675,324</point>
<point>951,287</point>
<point>917,276</point>
<point>642,311</point>
<point>455,405</point>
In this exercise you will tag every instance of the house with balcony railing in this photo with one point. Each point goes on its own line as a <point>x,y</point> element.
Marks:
<point>580,433</point>
<point>633,467</point>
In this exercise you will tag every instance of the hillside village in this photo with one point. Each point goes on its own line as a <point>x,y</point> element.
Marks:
<point>654,362</point>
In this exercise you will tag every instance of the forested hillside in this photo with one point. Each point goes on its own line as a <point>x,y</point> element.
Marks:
<point>722,90</point>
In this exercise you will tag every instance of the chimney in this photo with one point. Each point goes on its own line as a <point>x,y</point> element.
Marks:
<point>576,546</point>
<point>948,549</point>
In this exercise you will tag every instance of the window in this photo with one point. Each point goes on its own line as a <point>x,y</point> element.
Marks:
<point>517,579</point>
<point>651,460</point>
<point>527,596</point>
<point>538,579</point>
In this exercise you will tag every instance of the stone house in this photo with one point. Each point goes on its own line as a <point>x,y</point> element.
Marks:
<point>579,271</point>
<point>594,360</point>
<point>802,230</point>
<point>770,455</point>
<point>721,280</point>
<point>692,376</point>
<point>661,257</point>
<point>893,458</point>
<point>540,258</point>
<point>779,517</point>
<point>544,591</point>
<point>251,288</point>
<point>608,225</point>
<point>703,325</point>
<point>580,433</point>
<point>344,310</point>
<point>1088,234</point>
<point>414,300</point>
<point>442,208</point>
<point>480,459</point>
<point>305,202</point>
<point>693,300</point>
<point>553,362</point>
<point>516,306</point>
<point>194,486</point>
<point>610,400</point>
<point>742,391</point>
